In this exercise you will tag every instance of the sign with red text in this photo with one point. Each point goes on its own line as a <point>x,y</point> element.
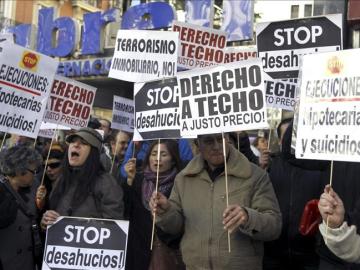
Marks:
<point>69,103</point>
<point>86,243</point>
<point>25,81</point>
<point>240,53</point>
<point>224,98</point>
<point>157,110</point>
<point>141,55</point>
<point>199,46</point>
<point>123,114</point>
<point>329,112</point>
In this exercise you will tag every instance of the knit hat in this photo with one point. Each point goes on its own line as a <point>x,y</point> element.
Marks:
<point>90,135</point>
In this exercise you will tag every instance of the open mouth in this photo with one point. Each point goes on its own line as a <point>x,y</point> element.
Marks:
<point>74,154</point>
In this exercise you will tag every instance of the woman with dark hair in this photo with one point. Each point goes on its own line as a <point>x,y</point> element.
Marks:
<point>53,171</point>
<point>18,216</point>
<point>139,188</point>
<point>84,189</point>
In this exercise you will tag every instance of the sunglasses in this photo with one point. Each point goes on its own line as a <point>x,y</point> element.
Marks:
<point>54,165</point>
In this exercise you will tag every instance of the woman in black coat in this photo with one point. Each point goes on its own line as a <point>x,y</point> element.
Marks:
<point>18,166</point>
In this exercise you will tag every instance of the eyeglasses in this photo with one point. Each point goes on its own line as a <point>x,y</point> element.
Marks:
<point>31,171</point>
<point>54,165</point>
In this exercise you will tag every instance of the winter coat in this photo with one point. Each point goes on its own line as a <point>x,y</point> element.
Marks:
<point>138,249</point>
<point>294,187</point>
<point>16,251</point>
<point>197,204</point>
<point>106,202</point>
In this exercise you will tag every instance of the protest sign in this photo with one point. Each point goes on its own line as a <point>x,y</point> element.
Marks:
<point>25,81</point>
<point>224,98</point>
<point>156,110</point>
<point>240,53</point>
<point>199,46</point>
<point>47,130</point>
<point>329,112</point>
<point>141,55</point>
<point>69,103</point>
<point>7,37</point>
<point>281,93</point>
<point>123,114</point>
<point>281,45</point>
<point>82,243</point>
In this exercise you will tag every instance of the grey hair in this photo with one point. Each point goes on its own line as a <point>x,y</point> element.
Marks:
<point>17,159</point>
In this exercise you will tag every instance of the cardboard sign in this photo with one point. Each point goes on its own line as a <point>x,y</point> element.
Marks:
<point>225,98</point>
<point>199,46</point>
<point>329,112</point>
<point>123,114</point>
<point>157,110</point>
<point>240,53</point>
<point>82,243</point>
<point>141,55</point>
<point>70,103</point>
<point>25,81</point>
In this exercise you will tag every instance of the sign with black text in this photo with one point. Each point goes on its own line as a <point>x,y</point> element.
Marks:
<point>123,114</point>
<point>25,82</point>
<point>83,243</point>
<point>224,98</point>
<point>157,110</point>
<point>281,93</point>
<point>141,55</point>
<point>329,112</point>
<point>281,44</point>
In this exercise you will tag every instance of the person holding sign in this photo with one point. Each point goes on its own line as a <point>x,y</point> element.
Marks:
<point>19,249</point>
<point>197,205</point>
<point>84,189</point>
<point>52,173</point>
<point>139,188</point>
<point>341,239</point>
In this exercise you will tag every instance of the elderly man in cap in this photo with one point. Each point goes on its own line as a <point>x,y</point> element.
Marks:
<point>197,206</point>
<point>84,189</point>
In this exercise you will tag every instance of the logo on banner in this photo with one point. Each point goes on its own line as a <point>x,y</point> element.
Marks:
<point>29,60</point>
<point>335,65</point>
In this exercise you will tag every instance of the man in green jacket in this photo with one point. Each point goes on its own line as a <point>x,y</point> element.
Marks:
<point>197,206</point>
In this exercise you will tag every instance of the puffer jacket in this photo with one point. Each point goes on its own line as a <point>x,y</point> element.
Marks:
<point>197,206</point>
<point>106,202</point>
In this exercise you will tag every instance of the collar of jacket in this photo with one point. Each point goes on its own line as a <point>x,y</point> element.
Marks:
<point>237,165</point>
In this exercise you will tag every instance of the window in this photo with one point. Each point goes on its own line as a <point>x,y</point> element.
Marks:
<point>294,11</point>
<point>308,11</point>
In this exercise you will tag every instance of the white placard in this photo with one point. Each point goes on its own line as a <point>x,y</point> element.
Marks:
<point>141,55</point>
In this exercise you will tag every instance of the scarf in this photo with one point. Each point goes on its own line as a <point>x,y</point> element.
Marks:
<point>166,182</point>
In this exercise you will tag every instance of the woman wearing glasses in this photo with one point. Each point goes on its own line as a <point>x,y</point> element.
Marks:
<point>84,188</point>
<point>17,207</point>
<point>52,173</point>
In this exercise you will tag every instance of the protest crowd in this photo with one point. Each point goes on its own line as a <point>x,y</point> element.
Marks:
<point>194,172</point>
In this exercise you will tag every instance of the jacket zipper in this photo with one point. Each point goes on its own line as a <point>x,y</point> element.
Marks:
<point>211,224</point>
